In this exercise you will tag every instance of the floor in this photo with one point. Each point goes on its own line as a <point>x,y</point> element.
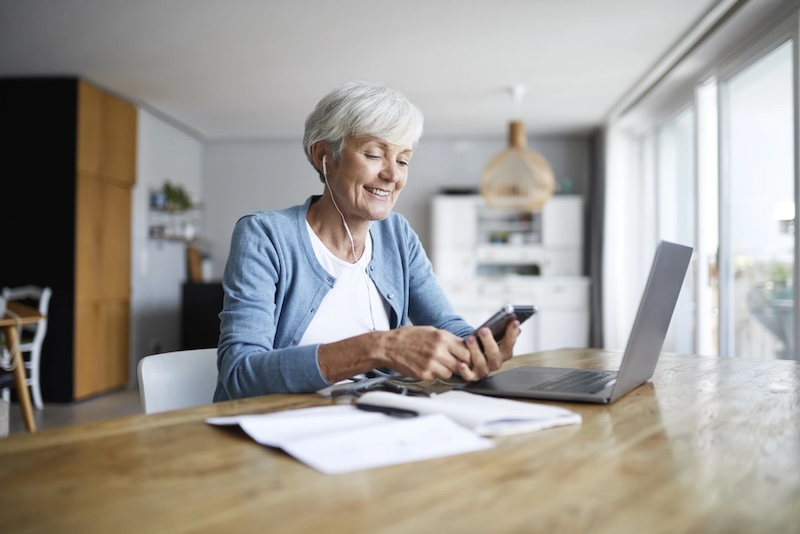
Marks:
<point>115,404</point>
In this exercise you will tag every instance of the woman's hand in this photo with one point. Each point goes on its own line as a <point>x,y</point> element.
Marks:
<point>493,355</point>
<point>427,353</point>
<point>424,352</point>
<point>420,352</point>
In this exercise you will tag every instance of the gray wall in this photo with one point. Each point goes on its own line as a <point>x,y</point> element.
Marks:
<point>241,177</point>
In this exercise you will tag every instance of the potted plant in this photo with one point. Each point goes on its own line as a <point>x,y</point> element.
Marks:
<point>176,197</point>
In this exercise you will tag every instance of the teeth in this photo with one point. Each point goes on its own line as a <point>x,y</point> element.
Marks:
<point>379,192</point>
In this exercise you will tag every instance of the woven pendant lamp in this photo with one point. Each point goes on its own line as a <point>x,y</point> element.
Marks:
<point>517,178</point>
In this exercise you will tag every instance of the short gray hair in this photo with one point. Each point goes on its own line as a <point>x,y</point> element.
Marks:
<point>362,109</point>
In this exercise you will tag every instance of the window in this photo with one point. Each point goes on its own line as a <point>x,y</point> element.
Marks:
<point>676,201</point>
<point>715,155</point>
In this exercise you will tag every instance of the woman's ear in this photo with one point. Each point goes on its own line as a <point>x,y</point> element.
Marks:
<point>319,151</point>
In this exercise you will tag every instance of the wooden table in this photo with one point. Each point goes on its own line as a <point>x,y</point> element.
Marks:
<point>21,315</point>
<point>711,445</point>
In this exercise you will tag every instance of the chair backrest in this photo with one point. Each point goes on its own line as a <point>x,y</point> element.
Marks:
<point>180,379</point>
<point>41,297</point>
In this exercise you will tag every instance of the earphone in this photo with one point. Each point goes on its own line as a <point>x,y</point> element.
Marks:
<point>349,236</point>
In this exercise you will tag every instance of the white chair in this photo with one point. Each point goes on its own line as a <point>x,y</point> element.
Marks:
<point>31,337</point>
<point>180,379</point>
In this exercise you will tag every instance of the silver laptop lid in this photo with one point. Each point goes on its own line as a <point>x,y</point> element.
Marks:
<point>652,320</point>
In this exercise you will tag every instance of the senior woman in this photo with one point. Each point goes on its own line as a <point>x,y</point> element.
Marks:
<point>341,285</point>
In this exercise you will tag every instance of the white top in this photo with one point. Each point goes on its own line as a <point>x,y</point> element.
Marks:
<point>345,310</point>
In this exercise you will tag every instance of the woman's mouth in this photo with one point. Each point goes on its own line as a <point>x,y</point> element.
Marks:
<point>379,192</point>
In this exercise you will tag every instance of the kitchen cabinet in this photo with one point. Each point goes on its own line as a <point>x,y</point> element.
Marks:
<point>470,238</point>
<point>486,258</point>
<point>72,159</point>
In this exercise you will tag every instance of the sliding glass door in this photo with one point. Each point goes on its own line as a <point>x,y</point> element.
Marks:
<point>757,192</point>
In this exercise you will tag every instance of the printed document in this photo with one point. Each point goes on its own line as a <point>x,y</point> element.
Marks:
<point>341,438</point>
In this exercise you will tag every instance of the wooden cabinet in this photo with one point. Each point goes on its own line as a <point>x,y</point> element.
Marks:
<point>74,164</point>
<point>106,135</point>
<point>486,258</point>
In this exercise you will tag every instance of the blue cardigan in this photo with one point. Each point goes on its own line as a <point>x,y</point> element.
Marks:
<point>274,285</point>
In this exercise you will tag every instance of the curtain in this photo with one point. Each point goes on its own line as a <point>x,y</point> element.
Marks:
<point>594,231</point>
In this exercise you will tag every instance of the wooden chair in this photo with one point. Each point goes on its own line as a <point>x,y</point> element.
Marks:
<point>31,337</point>
<point>180,379</point>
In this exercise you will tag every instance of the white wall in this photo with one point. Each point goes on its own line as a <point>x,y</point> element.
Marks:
<point>159,267</point>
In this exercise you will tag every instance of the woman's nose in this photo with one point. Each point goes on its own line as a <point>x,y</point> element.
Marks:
<point>390,172</point>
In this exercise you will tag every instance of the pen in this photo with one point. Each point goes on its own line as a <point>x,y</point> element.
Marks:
<point>388,410</point>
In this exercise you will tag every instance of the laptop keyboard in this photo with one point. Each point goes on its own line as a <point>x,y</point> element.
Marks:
<point>579,382</point>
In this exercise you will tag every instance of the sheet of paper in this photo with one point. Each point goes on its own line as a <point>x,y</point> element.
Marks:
<point>488,416</point>
<point>281,428</point>
<point>394,442</point>
<point>340,439</point>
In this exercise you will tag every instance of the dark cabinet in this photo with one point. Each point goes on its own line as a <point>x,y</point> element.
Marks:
<point>201,304</point>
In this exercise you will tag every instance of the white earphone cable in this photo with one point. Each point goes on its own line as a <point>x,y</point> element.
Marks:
<point>352,243</point>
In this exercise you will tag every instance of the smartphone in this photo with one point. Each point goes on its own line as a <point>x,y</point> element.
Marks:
<point>498,322</point>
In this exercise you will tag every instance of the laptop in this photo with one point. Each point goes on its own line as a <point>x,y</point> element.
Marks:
<point>638,362</point>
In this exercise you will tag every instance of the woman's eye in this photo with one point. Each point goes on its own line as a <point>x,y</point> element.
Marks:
<point>372,156</point>
<point>403,163</point>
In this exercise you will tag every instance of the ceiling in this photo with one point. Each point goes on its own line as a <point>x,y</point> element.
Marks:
<point>242,69</point>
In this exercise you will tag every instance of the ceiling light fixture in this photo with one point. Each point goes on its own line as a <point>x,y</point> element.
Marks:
<point>517,178</point>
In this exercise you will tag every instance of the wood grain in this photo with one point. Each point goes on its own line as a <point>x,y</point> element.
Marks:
<point>710,445</point>
<point>106,175</point>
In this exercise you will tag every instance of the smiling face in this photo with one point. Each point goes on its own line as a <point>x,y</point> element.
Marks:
<point>368,177</point>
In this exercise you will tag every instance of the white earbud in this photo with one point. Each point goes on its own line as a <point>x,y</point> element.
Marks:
<point>324,168</point>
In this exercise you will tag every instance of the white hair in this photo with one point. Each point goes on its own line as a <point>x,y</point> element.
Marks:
<point>359,109</point>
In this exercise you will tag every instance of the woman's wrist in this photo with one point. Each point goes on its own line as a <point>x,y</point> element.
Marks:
<point>352,356</point>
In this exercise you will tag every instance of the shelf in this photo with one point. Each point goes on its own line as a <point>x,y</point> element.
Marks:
<point>510,254</point>
<point>174,225</point>
<point>512,227</point>
<point>177,239</point>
